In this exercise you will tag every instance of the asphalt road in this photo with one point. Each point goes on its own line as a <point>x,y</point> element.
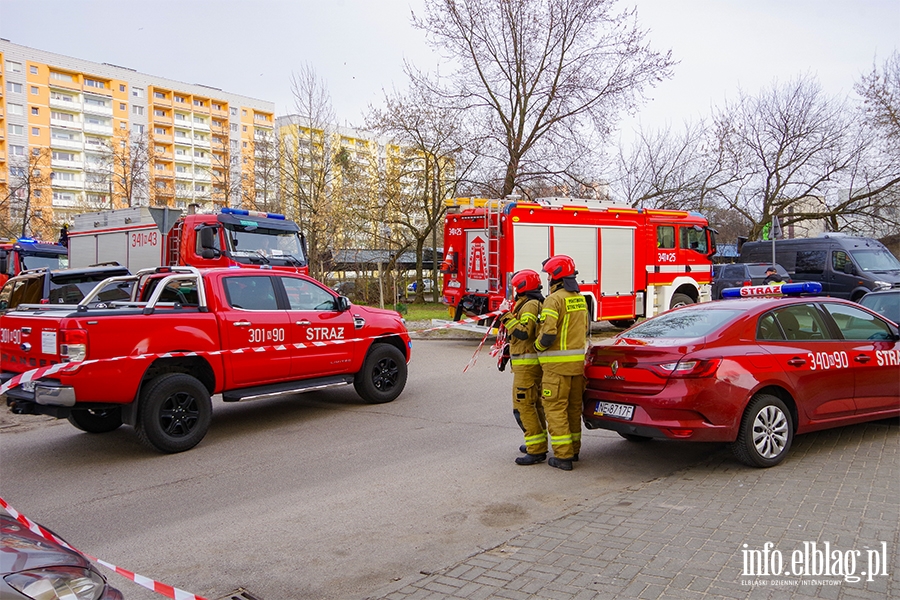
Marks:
<point>317,495</point>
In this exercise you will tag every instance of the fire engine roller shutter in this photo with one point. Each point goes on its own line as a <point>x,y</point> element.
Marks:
<point>531,246</point>
<point>616,261</point>
<point>581,244</point>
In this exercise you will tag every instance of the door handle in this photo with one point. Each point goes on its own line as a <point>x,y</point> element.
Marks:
<point>303,323</point>
<point>796,362</point>
<point>862,358</point>
<point>242,323</point>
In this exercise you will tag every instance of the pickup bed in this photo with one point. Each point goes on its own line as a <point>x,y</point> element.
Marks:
<point>153,361</point>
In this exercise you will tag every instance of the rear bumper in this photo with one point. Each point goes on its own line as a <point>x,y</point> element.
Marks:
<point>47,397</point>
<point>648,421</point>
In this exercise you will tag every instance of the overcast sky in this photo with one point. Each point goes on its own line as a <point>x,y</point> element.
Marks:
<point>358,46</point>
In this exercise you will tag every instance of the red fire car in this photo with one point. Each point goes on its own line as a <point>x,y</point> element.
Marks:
<point>752,372</point>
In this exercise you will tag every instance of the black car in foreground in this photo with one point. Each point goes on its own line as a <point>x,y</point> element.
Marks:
<point>32,567</point>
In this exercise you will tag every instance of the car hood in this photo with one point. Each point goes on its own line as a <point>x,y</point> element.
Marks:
<point>22,549</point>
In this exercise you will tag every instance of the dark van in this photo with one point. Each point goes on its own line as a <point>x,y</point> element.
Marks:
<point>846,266</point>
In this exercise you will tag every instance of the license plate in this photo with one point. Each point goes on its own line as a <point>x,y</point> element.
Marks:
<point>611,409</point>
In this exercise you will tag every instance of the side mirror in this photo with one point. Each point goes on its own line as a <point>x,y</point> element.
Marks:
<point>208,242</point>
<point>848,268</point>
<point>342,303</point>
<point>208,253</point>
<point>3,261</point>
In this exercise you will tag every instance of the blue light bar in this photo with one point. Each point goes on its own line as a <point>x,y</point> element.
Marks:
<point>26,240</point>
<point>253,213</point>
<point>782,289</point>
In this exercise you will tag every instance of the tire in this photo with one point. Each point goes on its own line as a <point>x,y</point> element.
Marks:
<point>383,375</point>
<point>639,439</point>
<point>623,323</point>
<point>174,413</point>
<point>680,300</point>
<point>766,434</point>
<point>96,420</point>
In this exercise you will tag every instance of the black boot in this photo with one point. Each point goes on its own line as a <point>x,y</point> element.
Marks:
<point>560,463</point>
<point>532,459</point>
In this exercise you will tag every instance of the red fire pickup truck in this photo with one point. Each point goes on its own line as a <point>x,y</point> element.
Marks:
<point>186,334</point>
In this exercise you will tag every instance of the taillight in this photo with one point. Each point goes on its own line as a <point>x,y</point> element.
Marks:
<point>72,345</point>
<point>688,369</point>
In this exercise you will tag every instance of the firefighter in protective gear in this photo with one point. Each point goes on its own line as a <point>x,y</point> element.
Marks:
<point>521,324</point>
<point>561,344</point>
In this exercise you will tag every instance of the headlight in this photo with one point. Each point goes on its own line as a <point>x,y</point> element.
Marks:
<point>58,583</point>
<point>881,285</point>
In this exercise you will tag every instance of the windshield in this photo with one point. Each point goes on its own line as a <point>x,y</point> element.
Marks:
<point>690,323</point>
<point>36,260</point>
<point>876,260</point>
<point>270,243</point>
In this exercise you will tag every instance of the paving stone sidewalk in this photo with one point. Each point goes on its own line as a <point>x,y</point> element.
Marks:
<point>689,535</point>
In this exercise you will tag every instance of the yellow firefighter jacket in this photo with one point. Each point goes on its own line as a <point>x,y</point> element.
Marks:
<point>562,334</point>
<point>521,323</point>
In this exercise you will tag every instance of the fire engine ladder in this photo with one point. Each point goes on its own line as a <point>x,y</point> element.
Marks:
<point>173,245</point>
<point>492,213</point>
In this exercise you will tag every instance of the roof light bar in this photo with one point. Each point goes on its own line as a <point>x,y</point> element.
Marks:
<point>253,213</point>
<point>783,289</point>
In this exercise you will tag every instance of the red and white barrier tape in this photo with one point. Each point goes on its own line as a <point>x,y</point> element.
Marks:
<point>156,586</point>
<point>47,371</point>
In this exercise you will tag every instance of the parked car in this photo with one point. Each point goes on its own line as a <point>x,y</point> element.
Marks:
<point>751,372</point>
<point>61,286</point>
<point>34,567</point>
<point>742,274</point>
<point>886,303</point>
<point>427,286</point>
<point>847,266</point>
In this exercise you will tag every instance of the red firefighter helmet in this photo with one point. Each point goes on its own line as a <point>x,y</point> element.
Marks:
<point>526,280</point>
<point>559,266</point>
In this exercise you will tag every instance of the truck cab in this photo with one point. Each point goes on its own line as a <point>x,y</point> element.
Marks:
<point>28,253</point>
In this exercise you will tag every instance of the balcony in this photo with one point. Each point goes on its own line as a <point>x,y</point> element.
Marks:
<point>106,130</point>
<point>201,143</point>
<point>161,101</point>
<point>60,184</point>
<point>75,165</point>
<point>183,158</point>
<point>158,120</point>
<point>64,123</point>
<point>200,126</point>
<point>65,104</point>
<point>183,140</point>
<point>68,144</point>
<point>94,109</point>
<point>164,174</point>
<point>202,160</point>
<point>184,175</point>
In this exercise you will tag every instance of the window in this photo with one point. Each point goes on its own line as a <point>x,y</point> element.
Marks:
<point>159,113</point>
<point>122,125</point>
<point>180,99</point>
<point>840,260</point>
<point>137,92</point>
<point>13,66</point>
<point>15,109</point>
<point>16,130</point>
<point>61,76</point>
<point>34,90</point>
<point>198,102</point>
<point>92,120</point>
<point>12,86</point>
<point>35,131</point>
<point>665,237</point>
<point>136,110</point>
<point>251,293</point>
<point>33,70</point>
<point>200,120</point>
<point>121,87</point>
<point>35,110</point>
<point>137,129</point>
<point>234,127</point>
<point>61,116</point>
<point>62,97</point>
<point>121,106</point>
<point>693,238</point>
<point>17,150</point>
<point>159,95</point>
<point>160,130</point>
<point>62,176</point>
<point>305,295</point>
<point>95,83</point>
<point>856,324</point>
<point>92,101</point>
<point>798,322</point>
<point>233,112</point>
<point>17,171</point>
<point>244,112</point>
<point>810,261</point>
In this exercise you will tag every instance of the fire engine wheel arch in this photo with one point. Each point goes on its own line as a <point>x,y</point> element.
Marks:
<point>383,374</point>
<point>96,420</point>
<point>174,412</point>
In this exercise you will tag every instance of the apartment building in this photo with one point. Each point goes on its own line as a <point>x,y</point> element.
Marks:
<point>77,135</point>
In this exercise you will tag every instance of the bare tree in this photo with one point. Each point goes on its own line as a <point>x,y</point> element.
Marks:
<point>309,171</point>
<point>122,170</point>
<point>425,171</point>
<point>880,91</point>
<point>261,185</point>
<point>541,81</point>
<point>798,155</point>
<point>28,199</point>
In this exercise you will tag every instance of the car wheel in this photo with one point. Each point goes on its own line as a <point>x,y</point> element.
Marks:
<point>383,375</point>
<point>96,420</point>
<point>174,413</point>
<point>680,300</point>
<point>635,438</point>
<point>623,323</point>
<point>767,430</point>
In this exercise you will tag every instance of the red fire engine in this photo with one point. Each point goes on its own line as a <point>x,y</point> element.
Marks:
<point>631,262</point>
